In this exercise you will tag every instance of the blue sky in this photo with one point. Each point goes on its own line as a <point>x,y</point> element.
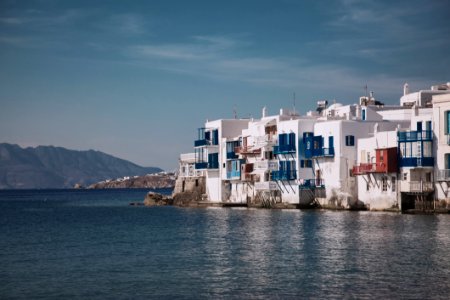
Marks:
<point>136,78</point>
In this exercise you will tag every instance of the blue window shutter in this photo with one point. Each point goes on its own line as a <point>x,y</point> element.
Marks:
<point>448,122</point>
<point>302,163</point>
<point>352,140</point>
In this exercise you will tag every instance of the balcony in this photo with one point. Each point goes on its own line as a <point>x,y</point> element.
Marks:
<point>312,184</point>
<point>200,143</point>
<point>417,187</point>
<point>201,165</point>
<point>284,175</point>
<point>413,136</point>
<point>266,186</point>
<point>416,162</point>
<point>443,175</point>
<point>284,149</point>
<point>363,169</point>
<point>319,152</point>
<point>187,157</point>
<point>265,165</point>
<point>247,150</point>
<point>265,140</point>
<point>234,175</point>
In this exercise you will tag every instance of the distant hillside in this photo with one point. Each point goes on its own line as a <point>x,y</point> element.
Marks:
<point>56,167</point>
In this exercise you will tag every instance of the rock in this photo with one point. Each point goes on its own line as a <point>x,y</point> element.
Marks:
<point>155,199</point>
<point>78,186</point>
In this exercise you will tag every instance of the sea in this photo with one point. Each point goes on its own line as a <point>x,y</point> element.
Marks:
<point>91,244</point>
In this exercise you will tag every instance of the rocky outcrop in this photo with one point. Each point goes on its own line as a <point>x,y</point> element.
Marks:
<point>155,199</point>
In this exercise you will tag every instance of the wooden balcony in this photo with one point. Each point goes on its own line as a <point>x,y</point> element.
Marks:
<point>247,150</point>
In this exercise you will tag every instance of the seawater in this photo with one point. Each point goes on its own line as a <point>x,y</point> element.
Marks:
<point>90,244</point>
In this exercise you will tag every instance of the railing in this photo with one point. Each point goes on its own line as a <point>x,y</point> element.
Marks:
<point>420,187</point>
<point>234,174</point>
<point>201,165</point>
<point>247,150</point>
<point>284,149</point>
<point>322,152</point>
<point>410,136</point>
<point>284,175</point>
<point>443,175</point>
<point>311,183</point>
<point>365,168</point>
<point>362,169</point>
<point>266,186</point>
<point>264,165</point>
<point>193,173</point>
<point>416,161</point>
<point>187,157</point>
<point>199,143</point>
<point>265,140</point>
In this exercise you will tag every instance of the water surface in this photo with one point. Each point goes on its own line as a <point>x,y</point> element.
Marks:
<point>92,244</point>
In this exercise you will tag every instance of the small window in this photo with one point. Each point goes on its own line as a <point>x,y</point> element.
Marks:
<point>305,163</point>
<point>405,176</point>
<point>268,154</point>
<point>196,182</point>
<point>384,184</point>
<point>367,186</point>
<point>350,140</point>
<point>393,180</point>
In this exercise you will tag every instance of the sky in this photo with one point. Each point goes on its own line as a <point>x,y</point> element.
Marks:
<point>135,79</point>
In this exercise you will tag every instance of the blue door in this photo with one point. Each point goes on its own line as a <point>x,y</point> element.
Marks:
<point>419,126</point>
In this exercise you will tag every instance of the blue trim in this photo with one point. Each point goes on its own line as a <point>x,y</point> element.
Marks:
<point>202,165</point>
<point>414,136</point>
<point>284,175</point>
<point>417,162</point>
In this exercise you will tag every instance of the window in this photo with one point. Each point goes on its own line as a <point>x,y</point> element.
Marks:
<point>363,114</point>
<point>306,163</point>
<point>367,186</point>
<point>349,140</point>
<point>405,176</point>
<point>447,121</point>
<point>384,184</point>
<point>393,180</point>
<point>268,154</point>
<point>428,177</point>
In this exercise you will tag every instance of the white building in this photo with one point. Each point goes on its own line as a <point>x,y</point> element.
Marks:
<point>343,156</point>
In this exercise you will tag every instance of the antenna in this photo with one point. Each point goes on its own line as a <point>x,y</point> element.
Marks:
<point>294,102</point>
<point>365,88</point>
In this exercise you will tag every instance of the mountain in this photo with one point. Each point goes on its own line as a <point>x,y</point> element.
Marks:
<point>57,167</point>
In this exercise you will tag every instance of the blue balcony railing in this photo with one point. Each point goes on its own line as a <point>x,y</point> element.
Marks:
<point>284,175</point>
<point>284,149</point>
<point>411,136</point>
<point>312,183</point>
<point>201,165</point>
<point>234,174</point>
<point>320,152</point>
<point>199,143</point>
<point>416,161</point>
